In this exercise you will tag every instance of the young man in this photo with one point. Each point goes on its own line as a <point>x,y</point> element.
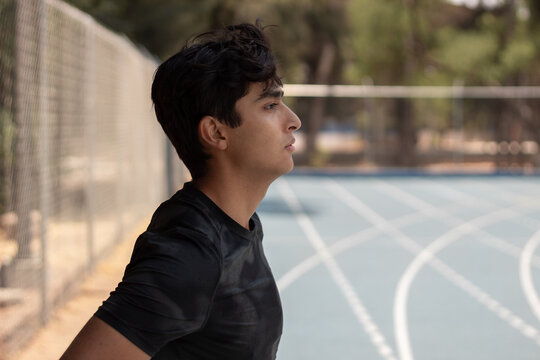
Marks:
<point>198,285</point>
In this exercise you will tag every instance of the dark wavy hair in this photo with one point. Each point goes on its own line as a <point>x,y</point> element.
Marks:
<point>206,77</point>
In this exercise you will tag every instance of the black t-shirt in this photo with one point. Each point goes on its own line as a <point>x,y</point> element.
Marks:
<point>198,286</point>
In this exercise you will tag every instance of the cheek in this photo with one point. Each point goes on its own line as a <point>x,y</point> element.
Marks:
<point>261,134</point>
<point>260,145</point>
<point>264,134</point>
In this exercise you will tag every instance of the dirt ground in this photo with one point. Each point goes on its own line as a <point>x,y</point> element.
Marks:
<point>51,341</point>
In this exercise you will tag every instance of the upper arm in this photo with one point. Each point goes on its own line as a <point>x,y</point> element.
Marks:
<point>98,340</point>
<point>165,294</point>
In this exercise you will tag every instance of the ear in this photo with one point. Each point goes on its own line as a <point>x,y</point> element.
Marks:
<point>212,134</point>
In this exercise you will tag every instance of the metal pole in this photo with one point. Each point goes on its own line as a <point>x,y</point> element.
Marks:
<point>23,116</point>
<point>370,126</point>
<point>457,121</point>
<point>88,110</point>
<point>44,175</point>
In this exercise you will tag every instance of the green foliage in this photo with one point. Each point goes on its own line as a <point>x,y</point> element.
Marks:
<point>518,55</point>
<point>481,46</point>
<point>464,52</point>
<point>384,42</point>
<point>376,38</point>
<point>161,26</point>
<point>389,41</point>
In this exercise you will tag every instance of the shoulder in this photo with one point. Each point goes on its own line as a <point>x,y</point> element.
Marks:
<point>187,209</point>
<point>182,233</point>
<point>164,266</point>
<point>177,250</point>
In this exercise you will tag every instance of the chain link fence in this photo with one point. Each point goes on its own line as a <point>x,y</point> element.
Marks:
<point>82,157</point>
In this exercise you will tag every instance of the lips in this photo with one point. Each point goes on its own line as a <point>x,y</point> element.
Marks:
<point>290,146</point>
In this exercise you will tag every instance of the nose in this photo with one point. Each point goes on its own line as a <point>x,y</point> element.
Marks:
<point>294,120</point>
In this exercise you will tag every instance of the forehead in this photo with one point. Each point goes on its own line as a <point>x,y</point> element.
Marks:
<point>260,90</point>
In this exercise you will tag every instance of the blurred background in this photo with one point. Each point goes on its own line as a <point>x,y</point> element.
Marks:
<point>437,86</point>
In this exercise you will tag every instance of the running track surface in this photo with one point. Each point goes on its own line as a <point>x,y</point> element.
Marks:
<point>417,267</point>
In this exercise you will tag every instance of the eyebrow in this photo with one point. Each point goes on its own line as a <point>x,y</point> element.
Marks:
<point>274,92</point>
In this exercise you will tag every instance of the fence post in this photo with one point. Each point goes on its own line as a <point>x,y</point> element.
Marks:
<point>24,33</point>
<point>44,175</point>
<point>457,119</point>
<point>89,126</point>
<point>24,268</point>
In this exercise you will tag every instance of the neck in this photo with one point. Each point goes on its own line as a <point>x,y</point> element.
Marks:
<point>237,197</point>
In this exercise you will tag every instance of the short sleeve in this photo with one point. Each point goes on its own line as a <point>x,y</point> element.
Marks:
<point>167,289</point>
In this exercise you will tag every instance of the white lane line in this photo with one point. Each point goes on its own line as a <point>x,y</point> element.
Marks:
<point>426,255</point>
<point>525,274</point>
<point>527,258</point>
<point>339,246</point>
<point>346,243</point>
<point>359,310</point>
<point>511,197</point>
<point>309,263</point>
<point>495,242</point>
<point>500,192</point>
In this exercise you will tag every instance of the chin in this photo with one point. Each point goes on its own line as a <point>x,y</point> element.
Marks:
<point>281,169</point>
<point>288,169</point>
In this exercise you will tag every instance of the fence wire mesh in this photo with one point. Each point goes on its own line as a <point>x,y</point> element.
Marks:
<point>81,155</point>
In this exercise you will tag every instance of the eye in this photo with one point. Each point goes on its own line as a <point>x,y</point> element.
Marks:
<point>271,106</point>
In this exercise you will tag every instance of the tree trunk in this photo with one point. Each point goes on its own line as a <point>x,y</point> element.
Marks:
<point>404,117</point>
<point>316,115</point>
<point>404,113</point>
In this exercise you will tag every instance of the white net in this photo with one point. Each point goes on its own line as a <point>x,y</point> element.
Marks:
<point>444,128</point>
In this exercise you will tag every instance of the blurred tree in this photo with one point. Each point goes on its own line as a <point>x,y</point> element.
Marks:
<point>499,47</point>
<point>388,47</point>
<point>434,42</point>
<point>308,41</point>
<point>311,47</point>
<point>162,26</point>
<point>386,42</point>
